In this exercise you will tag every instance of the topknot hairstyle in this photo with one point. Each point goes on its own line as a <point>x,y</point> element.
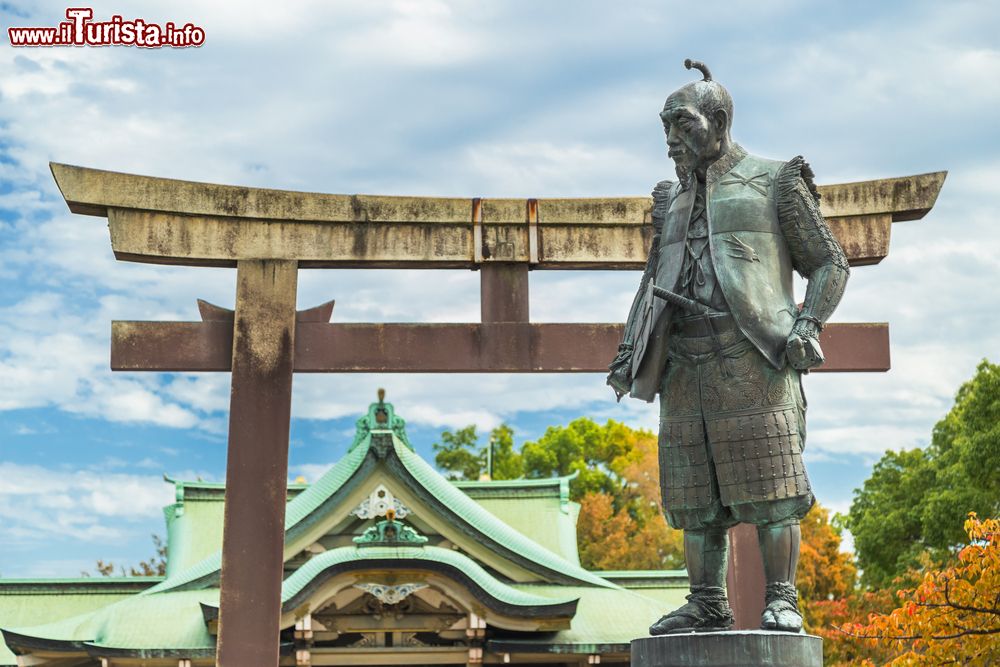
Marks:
<point>700,66</point>
<point>709,94</point>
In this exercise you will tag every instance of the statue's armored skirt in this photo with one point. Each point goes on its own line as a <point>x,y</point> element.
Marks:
<point>731,433</point>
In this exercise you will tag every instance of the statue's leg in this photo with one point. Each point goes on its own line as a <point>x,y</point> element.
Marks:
<point>780,536</point>
<point>779,546</point>
<point>757,439</point>
<point>706,552</point>
<point>691,502</point>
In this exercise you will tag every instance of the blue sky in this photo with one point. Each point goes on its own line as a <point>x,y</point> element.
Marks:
<point>456,99</point>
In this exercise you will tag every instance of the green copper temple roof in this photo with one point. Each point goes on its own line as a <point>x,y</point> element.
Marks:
<point>480,520</point>
<point>389,438</point>
<point>174,620</point>
<point>605,621</point>
<point>142,622</point>
<point>165,618</point>
<point>540,509</point>
<point>308,573</point>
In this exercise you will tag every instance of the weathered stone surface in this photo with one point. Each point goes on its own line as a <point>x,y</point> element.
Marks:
<point>595,211</point>
<point>729,649</point>
<point>864,238</point>
<point>257,462</point>
<point>93,191</point>
<point>200,224</point>
<point>906,198</point>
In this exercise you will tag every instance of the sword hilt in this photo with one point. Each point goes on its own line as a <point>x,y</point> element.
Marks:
<point>690,305</point>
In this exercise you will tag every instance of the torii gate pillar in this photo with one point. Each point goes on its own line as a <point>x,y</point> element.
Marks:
<point>260,412</point>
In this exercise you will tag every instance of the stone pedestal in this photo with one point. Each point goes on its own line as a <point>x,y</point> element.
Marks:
<point>740,648</point>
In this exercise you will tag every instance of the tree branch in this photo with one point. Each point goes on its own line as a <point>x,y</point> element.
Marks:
<point>963,633</point>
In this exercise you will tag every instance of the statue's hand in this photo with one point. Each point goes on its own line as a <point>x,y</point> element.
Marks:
<point>802,347</point>
<point>620,378</point>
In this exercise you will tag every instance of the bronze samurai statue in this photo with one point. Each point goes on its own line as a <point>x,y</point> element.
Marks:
<point>714,328</point>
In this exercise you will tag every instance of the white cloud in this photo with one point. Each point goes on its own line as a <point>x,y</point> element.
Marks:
<point>868,440</point>
<point>53,353</point>
<point>543,168</point>
<point>38,503</point>
<point>412,33</point>
<point>451,401</point>
<point>123,400</point>
<point>310,471</point>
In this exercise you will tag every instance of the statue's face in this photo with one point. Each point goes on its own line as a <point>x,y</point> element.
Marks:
<point>693,140</point>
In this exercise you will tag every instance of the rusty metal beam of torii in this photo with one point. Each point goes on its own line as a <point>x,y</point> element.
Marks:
<point>269,234</point>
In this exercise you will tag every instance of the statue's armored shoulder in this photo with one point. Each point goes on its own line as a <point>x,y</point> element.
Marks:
<point>662,195</point>
<point>790,173</point>
<point>810,240</point>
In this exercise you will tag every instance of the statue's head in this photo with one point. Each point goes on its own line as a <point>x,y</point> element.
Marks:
<point>696,119</point>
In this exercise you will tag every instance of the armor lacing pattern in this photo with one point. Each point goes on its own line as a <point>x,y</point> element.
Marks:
<point>782,595</point>
<point>707,607</point>
<point>712,600</point>
<point>661,202</point>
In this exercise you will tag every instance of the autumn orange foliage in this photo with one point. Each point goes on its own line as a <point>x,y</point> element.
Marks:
<point>952,617</point>
<point>824,618</point>
<point>824,572</point>
<point>611,540</point>
<point>828,596</point>
<point>632,535</point>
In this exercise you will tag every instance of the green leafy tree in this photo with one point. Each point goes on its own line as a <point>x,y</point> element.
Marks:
<point>596,453</point>
<point>507,461</point>
<point>885,516</point>
<point>461,456</point>
<point>617,485</point>
<point>915,501</point>
<point>965,449</point>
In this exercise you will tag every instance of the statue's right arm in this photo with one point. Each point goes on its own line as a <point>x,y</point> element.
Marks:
<point>816,255</point>
<point>620,376</point>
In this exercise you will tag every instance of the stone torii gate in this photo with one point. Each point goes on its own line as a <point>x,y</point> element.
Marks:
<point>267,235</point>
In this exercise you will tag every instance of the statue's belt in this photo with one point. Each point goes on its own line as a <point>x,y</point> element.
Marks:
<point>700,350</point>
<point>702,325</point>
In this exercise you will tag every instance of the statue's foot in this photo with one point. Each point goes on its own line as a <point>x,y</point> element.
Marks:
<point>707,610</point>
<point>781,611</point>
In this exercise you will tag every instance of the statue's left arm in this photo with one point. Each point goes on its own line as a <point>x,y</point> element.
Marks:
<point>620,376</point>
<point>816,255</point>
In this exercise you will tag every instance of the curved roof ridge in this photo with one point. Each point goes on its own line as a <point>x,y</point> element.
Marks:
<point>519,481</point>
<point>301,578</point>
<point>381,420</point>
<point>483,521</point>
<point>106,626</point>
<point>310,499</point>
<point>299,508</point>
<point>64,630</point>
